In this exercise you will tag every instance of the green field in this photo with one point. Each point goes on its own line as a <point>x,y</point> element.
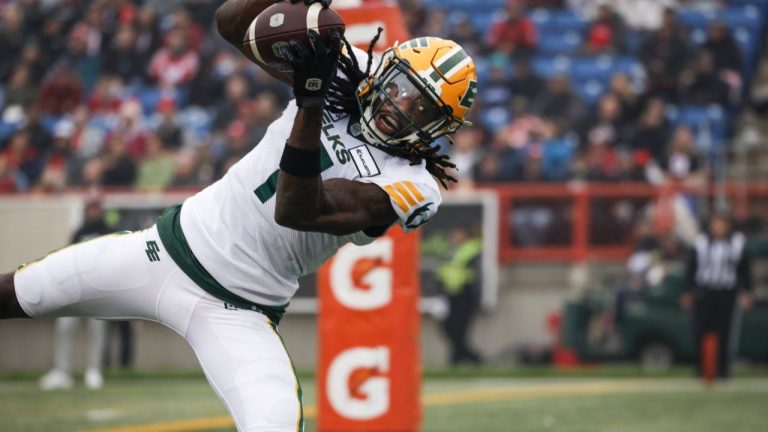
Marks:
<point>501,403</point>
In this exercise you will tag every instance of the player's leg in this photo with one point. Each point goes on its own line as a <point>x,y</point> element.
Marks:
<point>9,304</point>
<point>248,367</point>
<point>114,276</point>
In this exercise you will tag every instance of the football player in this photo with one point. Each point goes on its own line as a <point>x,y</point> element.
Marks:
<point>352,155</point>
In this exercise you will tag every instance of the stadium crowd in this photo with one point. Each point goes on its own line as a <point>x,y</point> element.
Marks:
<point>144,94</point>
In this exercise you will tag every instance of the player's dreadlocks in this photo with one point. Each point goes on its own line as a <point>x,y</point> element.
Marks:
<point>342,99</point>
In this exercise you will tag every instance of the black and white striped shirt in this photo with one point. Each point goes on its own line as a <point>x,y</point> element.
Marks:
<point>719,264</point>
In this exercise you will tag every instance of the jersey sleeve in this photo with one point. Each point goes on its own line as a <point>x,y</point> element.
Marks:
<point>413,194</point>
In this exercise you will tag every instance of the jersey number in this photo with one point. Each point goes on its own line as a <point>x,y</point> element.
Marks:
<point>267,189</point>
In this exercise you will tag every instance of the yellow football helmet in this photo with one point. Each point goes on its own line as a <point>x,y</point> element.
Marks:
<point>422,89</point>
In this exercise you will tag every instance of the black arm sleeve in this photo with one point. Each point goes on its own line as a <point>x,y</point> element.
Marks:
<point>744,271</point>
<point>691,268</point>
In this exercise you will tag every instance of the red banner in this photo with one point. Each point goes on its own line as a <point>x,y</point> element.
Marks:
<point>369,376</point>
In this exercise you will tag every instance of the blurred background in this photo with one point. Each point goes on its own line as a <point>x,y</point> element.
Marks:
<point>605,133</point>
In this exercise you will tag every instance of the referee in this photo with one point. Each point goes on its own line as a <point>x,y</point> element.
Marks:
<point>719,277</point>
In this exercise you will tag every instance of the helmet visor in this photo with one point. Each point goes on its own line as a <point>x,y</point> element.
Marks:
<point>401,108</point>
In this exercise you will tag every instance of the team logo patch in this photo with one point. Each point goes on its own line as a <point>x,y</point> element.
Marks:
<point>277,46</point>
<point>364,161</point>
<point>313,84</point>
<point>277,20</point>
<point>419,217</point>
<point>152,251</point>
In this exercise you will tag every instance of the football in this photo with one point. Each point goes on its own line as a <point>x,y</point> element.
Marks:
<point>280,23</point>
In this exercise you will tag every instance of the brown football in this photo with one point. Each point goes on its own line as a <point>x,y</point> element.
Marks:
<point>281,22</point>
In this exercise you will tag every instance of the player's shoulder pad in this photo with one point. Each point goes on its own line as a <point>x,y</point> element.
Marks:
<point>413,192</point>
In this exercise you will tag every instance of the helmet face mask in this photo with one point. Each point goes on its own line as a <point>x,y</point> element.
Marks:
<point>401,108</point>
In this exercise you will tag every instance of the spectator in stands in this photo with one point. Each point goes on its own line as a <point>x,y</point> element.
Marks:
<point>515,34</point>
<point>235,147</point>
<point>526,87</point>
<point>599,160</point>
<point>175,64</point>
<point>644,15</point>
<point>39,137</point>
<point>107,96</point>
<point>683,163</point>
<point>31,57</point>
<point>131,127</point>
<point>80,57</point>
<point>651,133</point>
<point>155,170</point>
<point>20,91</point>
<point>498,92</point>
<point>533,171</point>
<point>665,55</point>
<point>8,176</point>
<point>119,170</point>
<point>193,34</point>
<point>12,38</point>
<point>122,58</point>
<point>501,163</point>
<point>559,103</point>
<point>702,85</point>
<point>58,163</point>
<point>465,153</point>
<point>631,101</point>
<point>236,90</point>
<point>168,129</point>
<point>727,56</point>
<point>61,93</point>
<point>187,172</point>
<point>606,33</point>
<point>609,119</point>
<point>148,39</point>
<point>258,115</point>
<point>22,157</point>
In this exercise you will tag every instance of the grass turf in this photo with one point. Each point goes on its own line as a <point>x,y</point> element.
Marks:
<point>503,404</point>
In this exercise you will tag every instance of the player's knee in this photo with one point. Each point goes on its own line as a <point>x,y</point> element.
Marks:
<point>279,411</point>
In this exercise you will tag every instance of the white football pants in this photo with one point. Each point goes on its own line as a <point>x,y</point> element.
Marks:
<point>118,276</point>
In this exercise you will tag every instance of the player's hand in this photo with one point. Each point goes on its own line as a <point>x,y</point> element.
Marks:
<point>314,67</point>
<point>325,3</point>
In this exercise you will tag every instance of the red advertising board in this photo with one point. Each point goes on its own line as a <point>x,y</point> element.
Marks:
<point>369,376</point>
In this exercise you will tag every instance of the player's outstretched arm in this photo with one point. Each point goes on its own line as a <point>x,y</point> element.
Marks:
<point>307,203</point>
<point>304,201</point>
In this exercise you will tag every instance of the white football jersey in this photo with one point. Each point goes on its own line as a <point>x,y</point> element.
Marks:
<point>230,226</point>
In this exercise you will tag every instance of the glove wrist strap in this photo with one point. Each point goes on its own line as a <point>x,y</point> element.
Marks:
<point>300,162</point>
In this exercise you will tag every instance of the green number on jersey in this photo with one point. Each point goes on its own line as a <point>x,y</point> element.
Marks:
<point>268,189</point>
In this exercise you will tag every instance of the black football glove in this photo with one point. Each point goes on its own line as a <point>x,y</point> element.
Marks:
<point>314,67</point>
<point>325,3</point>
